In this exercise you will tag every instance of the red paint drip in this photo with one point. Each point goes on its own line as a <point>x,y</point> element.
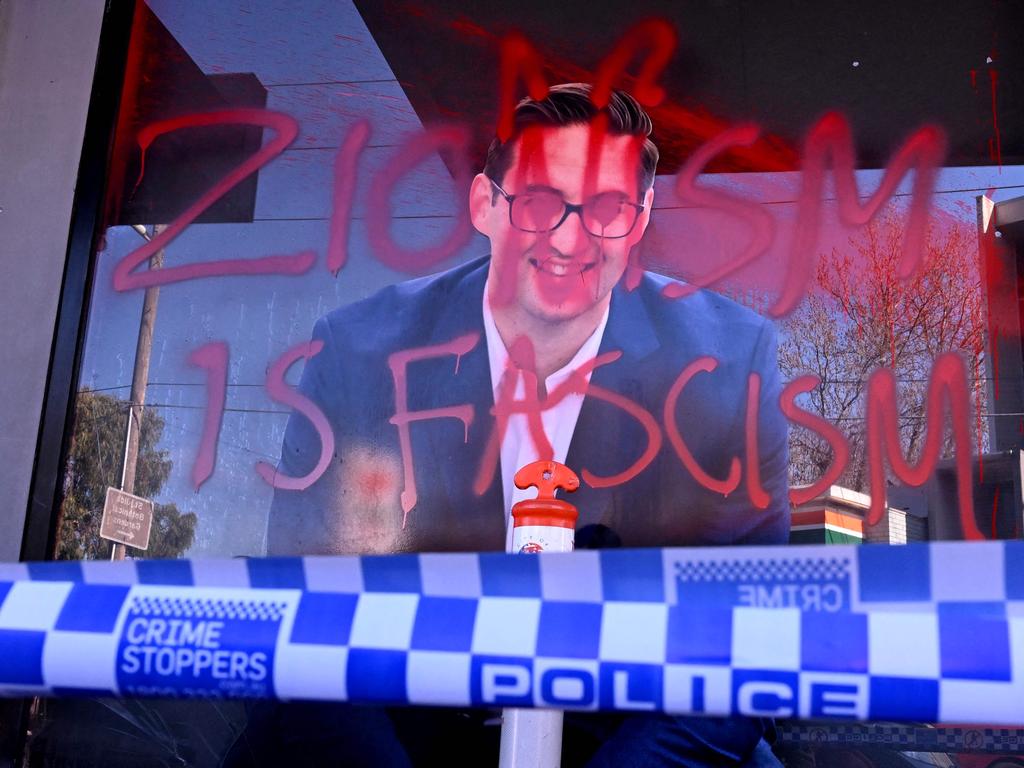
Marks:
<point>414,151</point>
<point>579,382</point>
<point>520,365</point>
<point>731,482</point>
<point>993,77</point>
<point>214,358</point>
<point>811,421</point>
<point>947,389</point>
<point>659,38</point>
<point>760,222</point>
<point>892,341</point>
<point>758,495</point>
<point>467,27</point>
<point>518,58</point>
<point>995,361</point>
<point>345,169</point>
<point>399,362</point>
<point>977,411</point>
<point>532,157</point>
<point>830,143</point>
<point>598,131</point>
<point>125,277</point>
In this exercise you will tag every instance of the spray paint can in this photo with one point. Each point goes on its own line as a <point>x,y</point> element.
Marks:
<point>544,524</point>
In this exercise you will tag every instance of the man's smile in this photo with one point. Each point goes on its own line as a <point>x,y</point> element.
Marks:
<point>559,267</point>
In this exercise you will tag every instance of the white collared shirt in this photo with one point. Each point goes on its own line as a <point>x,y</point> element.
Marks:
<point>517,449</point>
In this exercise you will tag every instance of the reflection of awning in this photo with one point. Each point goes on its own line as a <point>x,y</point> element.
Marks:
<point>826,526</point>
<point>889,66</point>
<point>162,81</point>
<point>822,535</point>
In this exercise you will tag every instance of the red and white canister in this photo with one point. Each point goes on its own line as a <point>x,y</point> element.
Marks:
<point>544,524</point>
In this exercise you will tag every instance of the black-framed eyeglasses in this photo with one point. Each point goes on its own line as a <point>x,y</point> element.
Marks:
<point>607,215</point>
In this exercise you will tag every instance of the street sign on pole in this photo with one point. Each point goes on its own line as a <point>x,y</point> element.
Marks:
<point>127,519</point>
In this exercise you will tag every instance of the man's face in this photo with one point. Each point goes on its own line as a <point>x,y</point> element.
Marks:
<point>559,275</point>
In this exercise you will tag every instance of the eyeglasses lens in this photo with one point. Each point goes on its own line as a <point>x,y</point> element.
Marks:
<point>608,215</point>
<point>604,215</point>
<point>537,211</point>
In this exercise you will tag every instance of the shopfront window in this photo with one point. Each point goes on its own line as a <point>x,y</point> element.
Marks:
<point>788,331</point>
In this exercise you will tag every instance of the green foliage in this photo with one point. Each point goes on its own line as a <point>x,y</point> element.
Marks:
<point>94,464</point>
<point>172,533</point>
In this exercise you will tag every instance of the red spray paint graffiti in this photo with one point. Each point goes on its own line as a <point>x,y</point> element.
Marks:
<point>675,438</point>
<point>813,422</point>
<point>831,138</point>
<point>214,358</point>
<point>399,363</point>
<point>286,129</point>
<point>520,366</point>
<point>378,218</point>
<point>345,171</point>
<point>761,223</point>
<point>829,144</point>
<point>948,388</point>
<point>280,392</point>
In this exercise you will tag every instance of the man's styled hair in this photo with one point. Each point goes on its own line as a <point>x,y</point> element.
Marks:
<point>570,104</point>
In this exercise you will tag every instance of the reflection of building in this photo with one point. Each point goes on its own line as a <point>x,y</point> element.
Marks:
<point>838,517</point>
<point>1001,241</point>
<point>997,490</point>
<point>998,476</point>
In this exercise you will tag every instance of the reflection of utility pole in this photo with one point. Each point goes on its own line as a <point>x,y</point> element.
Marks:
<point>140,379</point>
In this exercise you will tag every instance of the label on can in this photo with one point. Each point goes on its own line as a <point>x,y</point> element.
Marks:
<point>531,539</point>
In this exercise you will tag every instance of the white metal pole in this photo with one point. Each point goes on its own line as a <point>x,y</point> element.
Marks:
<point>531,738</point>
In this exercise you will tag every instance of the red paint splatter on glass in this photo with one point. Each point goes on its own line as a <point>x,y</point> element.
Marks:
<point>399,363</point>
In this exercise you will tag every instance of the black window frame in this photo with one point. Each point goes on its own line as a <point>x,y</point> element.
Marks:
<point>39,537</point>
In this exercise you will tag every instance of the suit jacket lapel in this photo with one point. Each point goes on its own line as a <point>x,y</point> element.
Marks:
<point>452,464</point>
<point>599,443</point>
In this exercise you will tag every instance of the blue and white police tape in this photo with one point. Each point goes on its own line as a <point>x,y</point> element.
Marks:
<point>920,633</point>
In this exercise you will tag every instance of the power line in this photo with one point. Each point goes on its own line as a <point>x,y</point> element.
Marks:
<point>288,413</point>
<point>330,82</point>
<point>161,384</point>
<point>226,410</point>
<point>324,149</point>
<point>359,218</point>
<point>656,208</point>
<point>231,444</point>
<point>90,390</point>
<point>898,380</point>
<point>982,415</point>
<point>860,196</point>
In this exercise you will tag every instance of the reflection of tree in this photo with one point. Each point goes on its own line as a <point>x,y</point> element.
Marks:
<point>861,316</point>
<point>94,463</point>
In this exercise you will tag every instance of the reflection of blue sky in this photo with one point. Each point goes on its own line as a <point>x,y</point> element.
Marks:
<point>309,61</point>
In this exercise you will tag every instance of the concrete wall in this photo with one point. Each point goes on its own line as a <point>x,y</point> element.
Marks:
<point>47,59</point>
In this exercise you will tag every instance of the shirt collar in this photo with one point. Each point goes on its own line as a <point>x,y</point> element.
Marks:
<point>498,356</point>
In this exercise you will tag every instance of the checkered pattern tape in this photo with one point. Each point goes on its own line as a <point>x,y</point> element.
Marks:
<point>914,738</point>
<point>838,632</point>
<point>179,607</point>
<point>770,569</point>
